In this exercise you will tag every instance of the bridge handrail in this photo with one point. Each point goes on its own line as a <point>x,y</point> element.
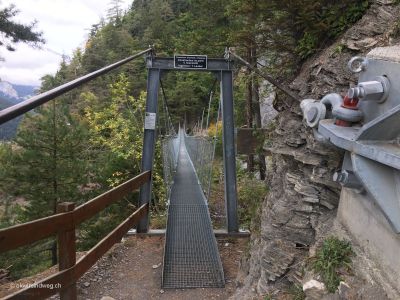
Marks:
<point>64,224</point>
<point>30,232</point>
<point>14,111</point>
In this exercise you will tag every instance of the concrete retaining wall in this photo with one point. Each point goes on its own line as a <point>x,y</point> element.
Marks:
<point>366,223</point>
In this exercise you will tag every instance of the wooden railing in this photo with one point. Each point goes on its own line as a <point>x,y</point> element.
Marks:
<point>64,224</point>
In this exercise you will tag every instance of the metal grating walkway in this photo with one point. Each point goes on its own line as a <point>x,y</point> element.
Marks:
<point>191,257</point>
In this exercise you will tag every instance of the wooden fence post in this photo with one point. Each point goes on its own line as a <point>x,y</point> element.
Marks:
<point>67,251</point>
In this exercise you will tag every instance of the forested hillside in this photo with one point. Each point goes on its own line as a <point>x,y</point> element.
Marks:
<point>91,139</point>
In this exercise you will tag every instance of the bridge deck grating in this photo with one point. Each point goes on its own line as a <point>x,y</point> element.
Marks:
<point>191,257</point>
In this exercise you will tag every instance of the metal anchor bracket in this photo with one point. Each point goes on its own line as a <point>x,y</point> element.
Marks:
<point>369,132</point>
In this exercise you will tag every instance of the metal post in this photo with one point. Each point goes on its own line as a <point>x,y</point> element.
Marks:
<point>149,141</point>
<point>229,151</point>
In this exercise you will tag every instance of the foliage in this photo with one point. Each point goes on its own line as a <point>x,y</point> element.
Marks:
<point>334,255</point>
<point>48,161</point>
<point>28,260</point>
<point>296,292</point>
<point>327,21</point>
<point>13,32</point>
<point>116,130</point>
<point>116,135</point>
<point>44,166</point>
<point>307,45</point>
<point>215,131</point>
<point>251,193</point>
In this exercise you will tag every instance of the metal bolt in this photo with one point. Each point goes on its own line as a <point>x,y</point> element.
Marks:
<point>340,177</point>
<point>347,179</point>
<point>356,92</point>
<point>376,90</point>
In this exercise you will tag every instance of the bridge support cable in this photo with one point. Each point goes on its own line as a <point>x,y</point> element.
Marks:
<point>214,147</point>
<point>170,148</point>
<point>170,125</point>
<point>200,150</point>
<point>170,143</point>
<point>211,94</point>
<point>263,75</point>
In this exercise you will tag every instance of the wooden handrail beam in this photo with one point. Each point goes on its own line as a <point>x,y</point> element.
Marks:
<point>64,279</point>
<point>28,233</point>
<point>96,205</point>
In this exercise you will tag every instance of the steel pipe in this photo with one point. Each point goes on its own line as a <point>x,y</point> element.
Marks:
<point>27,105</point>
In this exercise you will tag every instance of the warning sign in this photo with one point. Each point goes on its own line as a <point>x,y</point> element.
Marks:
<point>150,121</point>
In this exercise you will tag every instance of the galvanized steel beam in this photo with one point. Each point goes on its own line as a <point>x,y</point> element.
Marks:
<point>229,150</point>
<point>149,142</point>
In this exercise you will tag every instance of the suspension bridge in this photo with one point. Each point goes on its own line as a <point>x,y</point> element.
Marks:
<point>191,257</point>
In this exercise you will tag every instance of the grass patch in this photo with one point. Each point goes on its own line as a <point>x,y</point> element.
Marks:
<point>333,256</point>
<point>296,292</point>
<point>159,220</point>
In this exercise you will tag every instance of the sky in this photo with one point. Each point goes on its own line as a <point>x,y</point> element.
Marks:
<point>65,25</point>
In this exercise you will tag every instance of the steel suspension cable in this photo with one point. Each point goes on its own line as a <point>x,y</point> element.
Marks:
<point>166,120</point>
<point>209,102</point>
<point>213,153</point>
<point>166,107</point>
<point>263,75</point>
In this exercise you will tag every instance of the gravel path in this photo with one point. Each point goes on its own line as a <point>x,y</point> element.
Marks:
<point>132,270</point>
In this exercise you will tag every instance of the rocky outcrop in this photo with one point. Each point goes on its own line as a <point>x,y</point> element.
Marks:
<point>302,200</point>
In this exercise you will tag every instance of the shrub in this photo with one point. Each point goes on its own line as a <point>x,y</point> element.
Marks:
<point>335,254</point>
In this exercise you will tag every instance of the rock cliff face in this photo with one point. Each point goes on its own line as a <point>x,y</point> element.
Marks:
<point>303,198</point>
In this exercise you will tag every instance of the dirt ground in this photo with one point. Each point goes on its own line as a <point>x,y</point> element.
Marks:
<point>132,270</point>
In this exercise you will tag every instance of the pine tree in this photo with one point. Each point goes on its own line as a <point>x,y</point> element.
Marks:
<point>246,33</point>
<point>114,13</point>
<point>48,163</point>
<point>13,32</point>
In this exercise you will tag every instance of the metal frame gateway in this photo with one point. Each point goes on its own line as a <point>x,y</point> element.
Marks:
<point>223,69</point>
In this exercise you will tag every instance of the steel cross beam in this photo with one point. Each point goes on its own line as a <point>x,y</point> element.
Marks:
<point>223,69</point>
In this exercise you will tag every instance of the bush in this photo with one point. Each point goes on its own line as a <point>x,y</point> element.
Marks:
<point>321,21</point>
<point>334,255</point>
<point>251,193</point>
<point>215,129</point>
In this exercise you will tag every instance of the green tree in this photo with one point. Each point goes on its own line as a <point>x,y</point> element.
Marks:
<point>49,162</point>
<point>116,136</point>
<point>14,32</point>
<point>246,30</point>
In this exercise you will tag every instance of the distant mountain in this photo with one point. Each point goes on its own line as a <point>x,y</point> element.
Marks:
<point>11,94</point>
<point>16,92</point>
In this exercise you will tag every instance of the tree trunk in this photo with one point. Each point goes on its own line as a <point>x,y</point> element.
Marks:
<point>249,111</point>
<point>257,114</point>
